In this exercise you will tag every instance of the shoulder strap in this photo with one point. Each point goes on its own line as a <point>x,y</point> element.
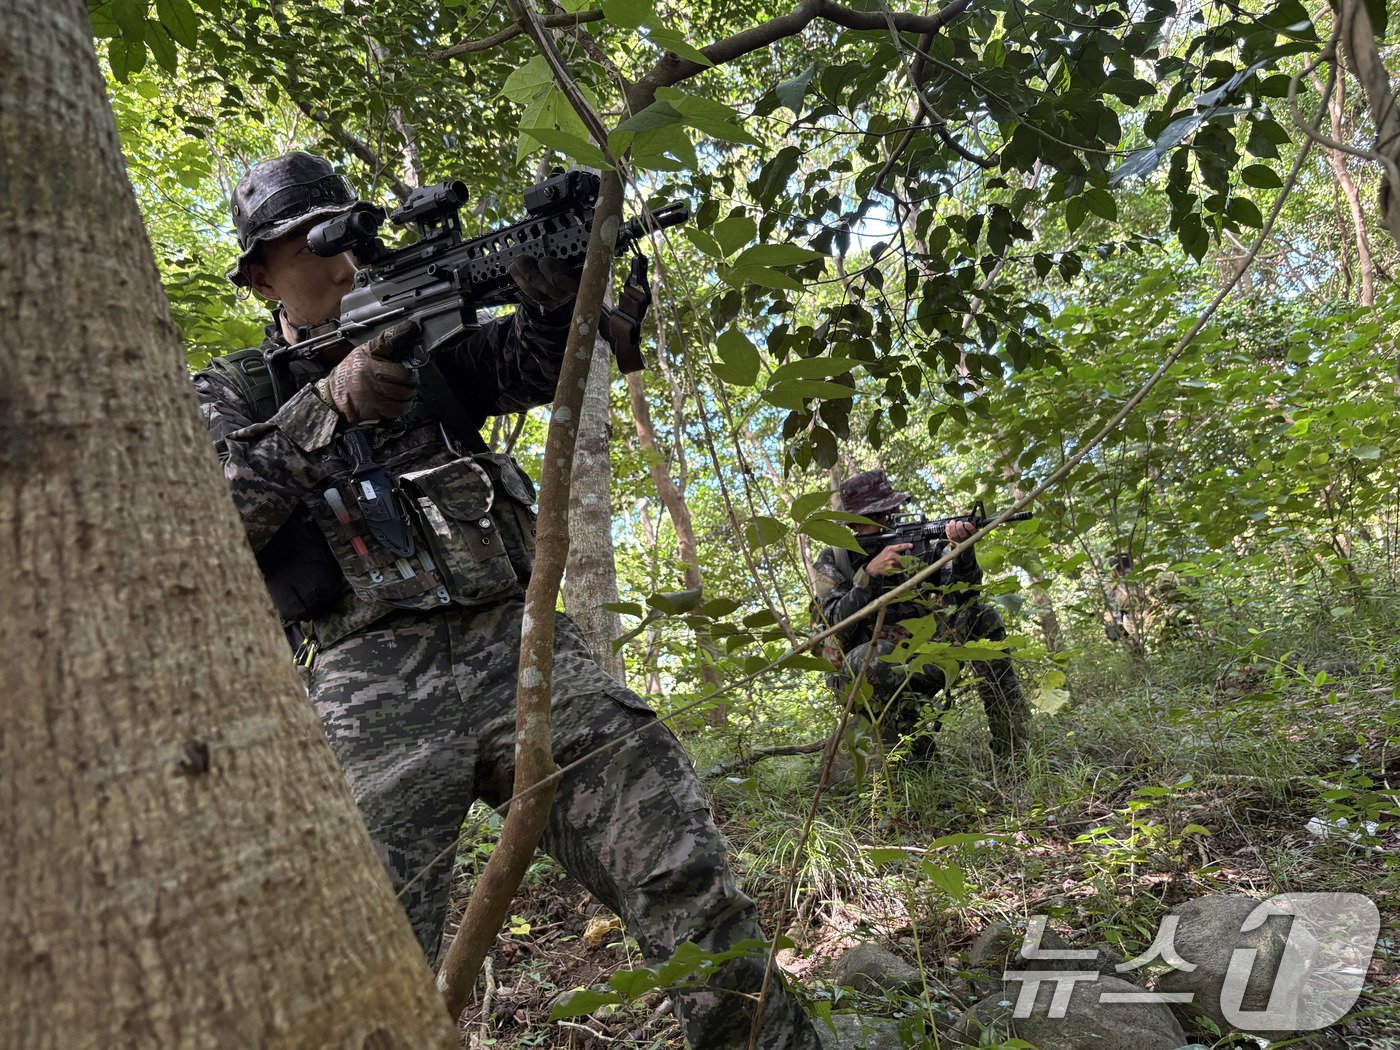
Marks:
<point>843,561</point>
<point>447,410</point>
<point>248,371</point>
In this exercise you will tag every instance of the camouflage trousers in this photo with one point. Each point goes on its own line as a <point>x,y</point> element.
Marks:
<point>420,711</point>
<point>897,693</point>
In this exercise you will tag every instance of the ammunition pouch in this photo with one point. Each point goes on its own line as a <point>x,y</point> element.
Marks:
<point>473,536</point>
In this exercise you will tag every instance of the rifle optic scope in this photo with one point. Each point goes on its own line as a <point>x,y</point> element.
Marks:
<point>431,202</point>
<point>345,232</point>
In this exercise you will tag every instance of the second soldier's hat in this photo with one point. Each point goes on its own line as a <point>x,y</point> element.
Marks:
<point>276,196</point>
<point>870,492</point>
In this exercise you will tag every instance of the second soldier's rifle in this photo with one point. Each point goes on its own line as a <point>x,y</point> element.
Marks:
<point>441,280</point>
<point>927,535</point>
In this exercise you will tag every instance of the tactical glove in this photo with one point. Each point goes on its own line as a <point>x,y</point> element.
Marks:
<point>370,383</point>
<point>544,283</point>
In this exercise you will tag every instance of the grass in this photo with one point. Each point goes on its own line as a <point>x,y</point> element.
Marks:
<point>1144,791</point>
<point>1200,778</point>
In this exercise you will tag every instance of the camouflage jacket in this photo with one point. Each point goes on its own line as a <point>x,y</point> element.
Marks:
<point>844,587</point>
<point>470,549</point>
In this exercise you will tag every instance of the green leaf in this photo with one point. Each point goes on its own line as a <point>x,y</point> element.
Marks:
<point>1075,212</point>
<point>162,48</point>
<point>734,231</point>
<point>131,16</point>
<point>659,114</point>
<point>739,358</point>
<point>812,368</point>
<point>569,145</point>
<point>126,56</point>
<point>528,81</point>
<point>1380,18</point>
<point>792,393</point>
<point>665,149</point>
<point>1261,177</point>
<point>674,41</point>
<point>582,1003</point>
<point>831,534</point>
<point>809,502</point>
<point>180,21</point>
<point>765,276</point>
<point>1193,237</point>
<point>713,118</point>
<point>673,603</point>
<point>1245,212</point>
<point>1102,204</point>
<point>791,92</point>
<point>627,14</point>
<point>776,255</point>
<point>702,240</point>
<point>763,531</point>
<point>948,879</point>
<point>773,176</point>
<point>631,984</point>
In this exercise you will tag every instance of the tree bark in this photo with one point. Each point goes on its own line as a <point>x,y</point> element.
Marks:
<point>590,578</point>
<point>183,863</point>
<point>679,512</point>
<point>1353,197</point>
<point>1358,38</point>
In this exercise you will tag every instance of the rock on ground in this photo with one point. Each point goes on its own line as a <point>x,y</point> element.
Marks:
<point>854,1032</point>
<point>1207,934</point>
<point>1086,1025</point>
<point>998,949</point>
<point>869,968</point>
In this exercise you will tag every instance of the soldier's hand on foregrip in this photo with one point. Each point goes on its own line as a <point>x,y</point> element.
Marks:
<point>959,531</point>
<point>371,383</point>
<point>544,283</point>
<point>887,559</point>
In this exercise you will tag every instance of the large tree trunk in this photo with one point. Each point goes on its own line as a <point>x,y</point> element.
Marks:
<point>1362,51</point>
<point>590,578</point>
<point>182,862</point>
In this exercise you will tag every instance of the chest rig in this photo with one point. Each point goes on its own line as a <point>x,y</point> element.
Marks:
<point>417,514</point>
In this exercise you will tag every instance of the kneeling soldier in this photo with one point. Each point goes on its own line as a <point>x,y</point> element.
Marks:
<point>847,581</point>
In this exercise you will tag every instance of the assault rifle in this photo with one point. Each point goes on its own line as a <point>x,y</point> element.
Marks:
<point>441,280</point>
<point>927,534</point>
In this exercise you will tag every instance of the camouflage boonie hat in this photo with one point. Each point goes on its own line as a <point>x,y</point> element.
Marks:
<point>870,492</point>
<point>276,196</point>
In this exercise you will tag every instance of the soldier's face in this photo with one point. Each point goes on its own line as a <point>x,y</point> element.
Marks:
<point>308,286</point>
<point>880,519</point>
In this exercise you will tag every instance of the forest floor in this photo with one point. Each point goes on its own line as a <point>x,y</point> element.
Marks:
<point>1204,777</point>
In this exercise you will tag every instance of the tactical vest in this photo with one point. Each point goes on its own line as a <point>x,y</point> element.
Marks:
<point>467,534</point>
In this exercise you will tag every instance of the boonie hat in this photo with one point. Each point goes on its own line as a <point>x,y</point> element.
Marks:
<point>870,492</point>
<point>278,195</point>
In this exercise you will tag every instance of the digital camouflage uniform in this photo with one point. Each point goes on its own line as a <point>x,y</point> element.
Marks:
<point>415,676</point>
<point>844,587</point>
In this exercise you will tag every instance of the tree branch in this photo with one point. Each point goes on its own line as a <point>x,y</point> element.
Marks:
<point>526,16</point>
<point>535,785</point>
<point>470,47</point>
<point>734,765</point>
<point>672,69</point>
